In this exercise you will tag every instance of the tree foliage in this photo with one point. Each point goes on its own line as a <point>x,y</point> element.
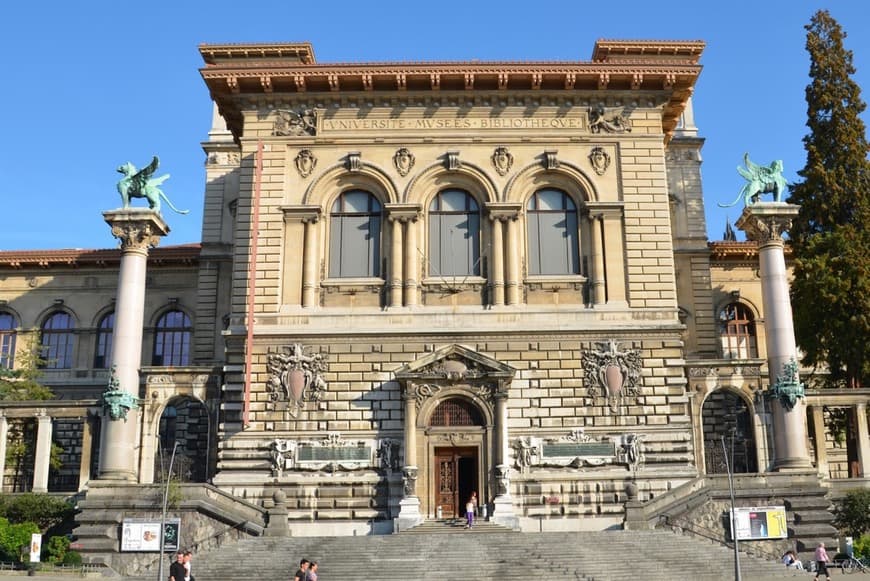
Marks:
<point>15,539</point>
<point>22,382</point>
<point>829,237</point>
<point>45,510</point>
<point>852,514</point>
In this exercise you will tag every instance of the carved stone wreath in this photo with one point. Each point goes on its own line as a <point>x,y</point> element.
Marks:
<point>612,373</point>
<point>296,377</point>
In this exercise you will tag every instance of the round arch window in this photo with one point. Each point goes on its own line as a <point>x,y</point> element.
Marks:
<point>456,412</point>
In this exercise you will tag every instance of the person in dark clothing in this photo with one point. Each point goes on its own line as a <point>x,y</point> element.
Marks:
<point>302,573</point>
<point>177,571</point>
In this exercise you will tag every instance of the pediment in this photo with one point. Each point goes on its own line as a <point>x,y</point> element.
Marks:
<point>455,363</point>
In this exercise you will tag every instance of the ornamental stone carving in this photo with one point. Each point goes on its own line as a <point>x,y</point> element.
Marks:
<point>452,161</point>
<point>296,377</point>
<point>502,160</point>
<point>788,387</point>
<point>135,235</point>
<point>629,452</point>
<point>388,454</point>
<point>409,481</point>
<point>117,402</point>
<point>613,120</point>
<point>612,373</point>
<point>353,161</point>
<point>295,124</point>
<point>600,160</point>
<point>305,162</point>
<point>403,160</point>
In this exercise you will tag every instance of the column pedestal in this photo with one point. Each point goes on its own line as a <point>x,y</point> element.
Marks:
<point>765,223</point>
<point>138,229</point>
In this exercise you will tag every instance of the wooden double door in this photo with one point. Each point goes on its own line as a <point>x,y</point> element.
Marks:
<point>456,477</point>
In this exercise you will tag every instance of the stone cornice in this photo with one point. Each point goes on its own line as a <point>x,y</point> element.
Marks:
<point>727,250</point>
<point>184,254</point>
<point>660,66</point>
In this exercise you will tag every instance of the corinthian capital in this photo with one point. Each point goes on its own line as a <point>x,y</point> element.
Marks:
<point>765,223</point>
<point>137,230</point>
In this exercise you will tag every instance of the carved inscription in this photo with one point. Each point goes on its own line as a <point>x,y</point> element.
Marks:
<point>458,123</point>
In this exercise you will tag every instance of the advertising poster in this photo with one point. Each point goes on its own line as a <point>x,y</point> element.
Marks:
<point>760,522</point>
<point>143,535</point>
<point>35,547</point>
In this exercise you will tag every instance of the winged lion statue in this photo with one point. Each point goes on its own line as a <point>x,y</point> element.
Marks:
<point>760,179</point>
<point>140,184</point>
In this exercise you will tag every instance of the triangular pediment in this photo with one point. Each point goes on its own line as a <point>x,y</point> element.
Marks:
<point>455,363</point>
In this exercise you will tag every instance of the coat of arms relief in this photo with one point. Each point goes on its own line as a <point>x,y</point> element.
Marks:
<point>611,373</point>
<point>296,377</point>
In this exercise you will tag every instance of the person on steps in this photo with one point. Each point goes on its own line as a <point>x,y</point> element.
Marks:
<point>469,510</point>
<point>822,561</point>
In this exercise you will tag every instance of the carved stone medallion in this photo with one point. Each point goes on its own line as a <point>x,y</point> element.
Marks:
<point>305,162</point>
<point>404,161</point>
<point>600,160</point>
<point>295,124</point>
<point>502,160</point>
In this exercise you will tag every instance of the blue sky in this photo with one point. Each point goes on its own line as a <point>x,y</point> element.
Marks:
<point>87,86</point>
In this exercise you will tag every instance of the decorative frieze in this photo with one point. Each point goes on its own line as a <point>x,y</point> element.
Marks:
<point>614,120</point>
<point>295,124</point>
<point>329,454</point>
<point>577,449</point>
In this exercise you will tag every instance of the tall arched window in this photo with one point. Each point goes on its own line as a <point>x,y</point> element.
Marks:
<point>355,236</point>
<point>553,235</point>
<point>172,339</point>
<point>57,341</point>
<point>105,331</point>
<point>454,234</point>
<point>7,340</point>
<point>737,332</point>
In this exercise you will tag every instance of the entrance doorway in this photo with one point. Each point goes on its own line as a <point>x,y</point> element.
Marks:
<point>455,479</point>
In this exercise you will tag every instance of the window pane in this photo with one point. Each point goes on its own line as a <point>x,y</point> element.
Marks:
<point>737,332</point>
<point>454,236</point>
<point>7,340</point>
<point>105,333</point>
<point>355,236</point>
<point>57,341</point>
<point>553,235</point>
<point>172,339</point>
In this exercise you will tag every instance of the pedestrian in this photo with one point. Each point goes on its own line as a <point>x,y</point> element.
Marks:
<point>470,506</point>
<point>822,561</point>
<point>188,576</point>
<point>312,571</point>
<point>177,570</point>
<point>302,573</point>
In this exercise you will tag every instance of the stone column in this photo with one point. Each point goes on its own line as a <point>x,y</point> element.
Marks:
<point>496,273</point>
<point>503,508</point>
<point>4,434</point>
<point>396,263</point>
<point>596,249</point>
<point>409,505</point>
<point>818,419</point>
<point>138,229</point>
<point>309,262</point>
<point>411,259</point>
<point>765,223</point>
<point>42,460</point>
<point>512,262</point>
<point>85,460</point>
<point>863,440</point>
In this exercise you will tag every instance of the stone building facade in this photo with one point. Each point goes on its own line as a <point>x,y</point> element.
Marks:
<point>416,281</point>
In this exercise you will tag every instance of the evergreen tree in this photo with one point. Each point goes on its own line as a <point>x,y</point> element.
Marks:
<point>831,288</point>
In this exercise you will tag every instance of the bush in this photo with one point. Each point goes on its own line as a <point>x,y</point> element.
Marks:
<point>44,510</point>
<point>56,549</point>
<point>851,515</point>
<point>14,538</point>
<point>861,546</point>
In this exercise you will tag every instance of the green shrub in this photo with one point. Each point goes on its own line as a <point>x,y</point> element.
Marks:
<point>851,515</point>
<point>44,510</point>
<point>14,538</point>
<point>72,558</point>
<point>861,546</point>
<point>56,549</point>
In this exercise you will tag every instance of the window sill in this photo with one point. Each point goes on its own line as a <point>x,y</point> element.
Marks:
<point>352,284</point>
<point>454,283</point>
<point>556,282</point>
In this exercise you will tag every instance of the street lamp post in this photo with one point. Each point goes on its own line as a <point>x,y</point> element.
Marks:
<point>731,491</point>
<point>166,481</point>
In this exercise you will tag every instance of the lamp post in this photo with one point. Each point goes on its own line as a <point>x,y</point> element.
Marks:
<point>166,481</point>
<point>731,491</point>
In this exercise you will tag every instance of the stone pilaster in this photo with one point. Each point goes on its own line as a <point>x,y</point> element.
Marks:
<point>138,230</point>
<point>87,446</point>
<point>597,251</point>
<point>42,460</point>
<point>409,506</point>
<point>503,268</point>
<point>4,434</point>
<point>412,254</point>
<point>765,223</point>
<point>403,262</point>
<point>863,440</point>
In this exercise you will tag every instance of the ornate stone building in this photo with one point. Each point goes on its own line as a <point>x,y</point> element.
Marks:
<point>421,280</point>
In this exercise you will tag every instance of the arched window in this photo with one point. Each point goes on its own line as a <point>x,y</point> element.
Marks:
<point>105,331</point>
<point>455,412</point>
<point>172,339</point>
<point>737,332</point>
<point>355,236</point>
<point>57,341</point>
<point>7,340</point>
<point>553,235</point>
<point>454,234</point>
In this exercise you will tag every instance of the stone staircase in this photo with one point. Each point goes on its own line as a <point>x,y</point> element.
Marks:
<point>445,550</point>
